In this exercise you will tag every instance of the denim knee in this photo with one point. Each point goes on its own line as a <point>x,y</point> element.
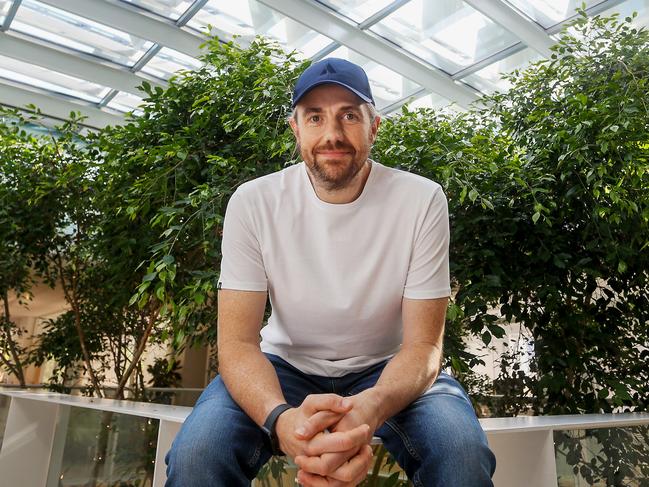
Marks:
<point>438,440</point>
<point>467,459</point>
<point>218,445</point>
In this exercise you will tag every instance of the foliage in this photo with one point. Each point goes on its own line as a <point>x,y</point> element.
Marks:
<point>23,228</point>
<point>171,171</point>
<point>549,208</point>
<point>548,198</point>
<point>607,456</point>
<point>582,119</point>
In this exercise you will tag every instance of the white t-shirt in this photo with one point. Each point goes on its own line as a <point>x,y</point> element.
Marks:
<point>336,273</point>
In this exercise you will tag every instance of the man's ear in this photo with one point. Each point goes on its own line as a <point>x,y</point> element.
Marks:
<point>294,127</point>
<point>374,128</point>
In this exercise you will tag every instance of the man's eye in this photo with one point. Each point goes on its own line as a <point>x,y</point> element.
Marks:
<point>314,118</point>
<point>350,116</point>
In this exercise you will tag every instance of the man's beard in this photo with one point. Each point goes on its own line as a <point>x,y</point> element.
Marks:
<point>338,178</point>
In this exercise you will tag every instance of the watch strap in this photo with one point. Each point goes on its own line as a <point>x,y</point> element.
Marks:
<point>269,427</point>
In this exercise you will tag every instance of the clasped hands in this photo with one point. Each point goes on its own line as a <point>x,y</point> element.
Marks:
<point>328,437</point>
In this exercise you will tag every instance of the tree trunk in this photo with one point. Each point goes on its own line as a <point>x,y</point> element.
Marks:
<point>102,449</point>
<point>17,367</point>
<point>152,318</point>
<point>71,298</point>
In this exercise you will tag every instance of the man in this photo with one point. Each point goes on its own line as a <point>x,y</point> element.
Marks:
<point>354,258</point>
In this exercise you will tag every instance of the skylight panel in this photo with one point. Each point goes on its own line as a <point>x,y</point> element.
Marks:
<point>167,62</point>
<point>248,18</point>
<point>356,10</point>
<point>78,33</point>
<point>489,79</point>
<point>53,81</point>
<point>4,10</point>
<point>450,35</point>
<point>550,12</point>
<point>627,8</point>
<point>125,102</point>
<point>169,9</point>
<point>431,100</point>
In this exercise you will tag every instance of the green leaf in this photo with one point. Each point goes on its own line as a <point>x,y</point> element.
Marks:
<point>150,277</point>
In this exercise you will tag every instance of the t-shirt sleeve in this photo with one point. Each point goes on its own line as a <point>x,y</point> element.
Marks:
<point>242,266</point>
<point>428,273</point>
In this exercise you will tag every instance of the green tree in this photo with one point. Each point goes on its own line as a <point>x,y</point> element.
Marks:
<point>25,226</point>
<point>169,173</point>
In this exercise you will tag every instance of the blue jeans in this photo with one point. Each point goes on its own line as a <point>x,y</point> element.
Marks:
<point>437,440</point>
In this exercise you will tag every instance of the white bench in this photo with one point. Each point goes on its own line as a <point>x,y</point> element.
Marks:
<point>524,445</point>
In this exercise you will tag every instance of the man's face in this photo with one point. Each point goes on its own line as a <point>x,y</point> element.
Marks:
<point>334,134</point>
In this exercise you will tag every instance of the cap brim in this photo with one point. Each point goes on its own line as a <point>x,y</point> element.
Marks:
<point>318,83</point>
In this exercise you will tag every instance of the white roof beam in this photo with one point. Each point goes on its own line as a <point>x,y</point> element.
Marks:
<point>55,106</point>
<point>522,27</point>
<point>71,64</point>
<point>133,22</point>
<point>11,13</point>
<point>335,27</point>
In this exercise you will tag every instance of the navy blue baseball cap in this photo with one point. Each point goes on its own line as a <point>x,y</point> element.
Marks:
<point>337,71</point>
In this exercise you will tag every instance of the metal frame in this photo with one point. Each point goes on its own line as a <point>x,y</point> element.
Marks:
<point>340,29</point>
<point>11,13</point>
<point>469,70</point>
<point>24,49</point>
<point>521,26</point>
<point>134,21</point>
<point>155,49</point>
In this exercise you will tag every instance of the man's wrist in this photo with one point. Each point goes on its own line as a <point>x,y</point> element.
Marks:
<point>377,398</point>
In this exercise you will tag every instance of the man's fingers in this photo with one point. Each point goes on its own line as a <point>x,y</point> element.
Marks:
<point>355,470</point>
<point>317,423</point>
<point>339,441</point>
<point>325,402</point>
<point>323,464</point>
<point>307,479</point>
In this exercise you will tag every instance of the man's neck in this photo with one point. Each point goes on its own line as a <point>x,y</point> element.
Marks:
<point>343,195</point>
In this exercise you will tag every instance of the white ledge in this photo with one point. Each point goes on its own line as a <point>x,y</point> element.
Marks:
<point>563,422</point>
<point>177,414</point>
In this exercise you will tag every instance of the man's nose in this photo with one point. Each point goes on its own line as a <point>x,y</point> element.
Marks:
<point>334,131</point>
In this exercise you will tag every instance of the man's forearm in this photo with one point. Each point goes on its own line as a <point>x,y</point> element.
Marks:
<point>410,372</point>
<point>250,379</point>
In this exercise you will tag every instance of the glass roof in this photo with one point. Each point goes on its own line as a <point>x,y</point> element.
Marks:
<point>68,30</point>
<point>550,12</point>
<point>489,78</point>
<point>28,74</point>
<point>4,8</point>
<point>625,9</point>
<point>167,62</point>
<point>247,18</point>
<point>450,35</point>
<point>356,10</point>
<point>125,102</point>
<point>170,9</point>
<point>449,39</point>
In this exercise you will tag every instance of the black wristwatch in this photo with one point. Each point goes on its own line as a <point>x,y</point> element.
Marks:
<point>269,428</point>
